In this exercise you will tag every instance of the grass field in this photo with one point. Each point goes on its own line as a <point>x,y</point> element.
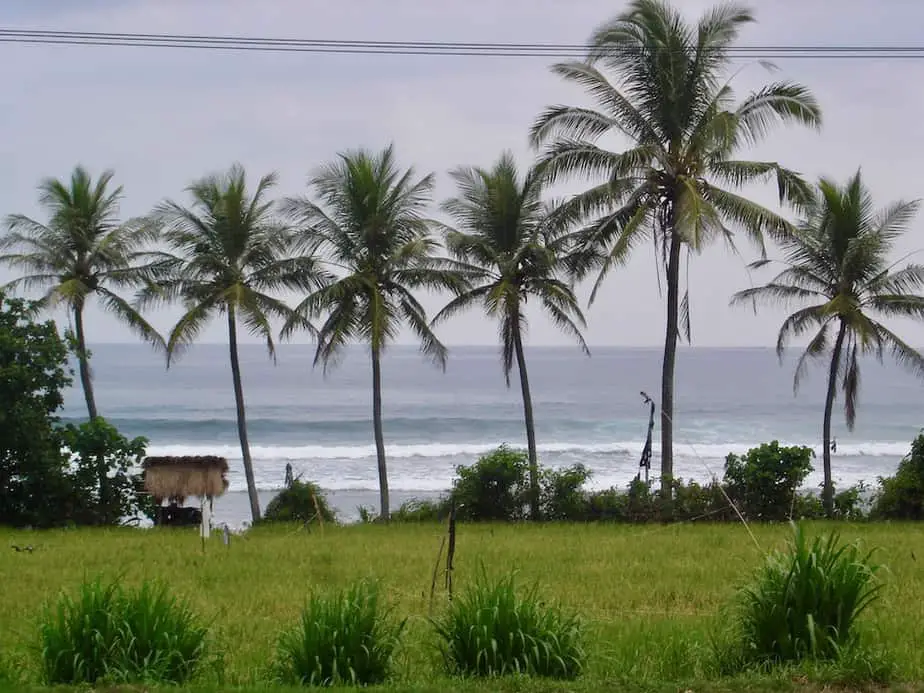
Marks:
<point>652,595</point>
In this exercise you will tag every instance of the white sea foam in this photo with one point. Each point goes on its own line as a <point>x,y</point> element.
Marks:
<point>308,453</point>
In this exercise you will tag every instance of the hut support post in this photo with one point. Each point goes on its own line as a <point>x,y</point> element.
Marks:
<point>206,517</point>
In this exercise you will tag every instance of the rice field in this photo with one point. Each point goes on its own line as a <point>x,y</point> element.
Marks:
<point>653,597</point>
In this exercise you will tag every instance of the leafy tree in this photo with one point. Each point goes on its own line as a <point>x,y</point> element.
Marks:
<point>82,251</point>
<point>764,482</point>
<point>102,478</point>
<point>33,374</point>
<point>511,255</point>
<point>671,98</point>
<point>838,260</point>
<point>371,225</point>
<point>231,252</point>
<point>901,497</point>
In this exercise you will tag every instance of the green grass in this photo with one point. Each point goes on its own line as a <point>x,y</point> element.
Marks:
<point>107,632</point>
<point>652,597</point>
<point>495,628</point>
<point>346,636</point>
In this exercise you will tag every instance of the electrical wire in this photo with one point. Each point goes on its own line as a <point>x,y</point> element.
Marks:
<point>417,48</point>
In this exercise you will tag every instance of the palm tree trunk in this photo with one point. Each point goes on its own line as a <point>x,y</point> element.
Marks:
<point>83,361</point>
<point>827,493</point>
<point>667,368</point>
<point>530,425</point>
<point>385,512</point>
<point>242,418</point>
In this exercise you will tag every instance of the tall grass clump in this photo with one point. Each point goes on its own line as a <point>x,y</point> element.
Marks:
<point>492,630</point>
<point>804,602</point>
<point>346,638</point>
<point>107,632</point>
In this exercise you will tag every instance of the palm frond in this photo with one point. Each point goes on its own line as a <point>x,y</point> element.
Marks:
<point>130,316</point>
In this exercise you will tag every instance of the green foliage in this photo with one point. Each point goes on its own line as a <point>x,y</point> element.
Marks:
<point>346,638</point>
<point>843,250</point>
<point>416,510</point>
<point>493,630</point>
<point>83,214</point>
<point>126,636</point>
<point>804,602</point>
<point>302,501</point>
<point>563,496</point>
<point>102,459</point>
<point>764,481</point>
<point>33,374</point>
<point>496,487</point>
<point>901,497</point>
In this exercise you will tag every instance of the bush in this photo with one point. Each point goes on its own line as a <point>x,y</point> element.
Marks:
<point>496,487</point>
<point>33,375</point>
<point>491,630</point>
<point>347,638</point>
<point>416,510</point>
<point>764,481</point>
<point>901,497</point>
<point>804,602</point>
<point>113,634</point>
<point>105,490</point>
<point>562,493</point>
<point>302,501</point>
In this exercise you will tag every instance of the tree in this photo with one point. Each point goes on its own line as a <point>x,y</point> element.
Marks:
<point>371,225</point>
<point>33,374</point>
<point>511,255</point>
<point>671,100</point>
<point>838,261</point>
<point>82,251</point>
<point>231,251</point>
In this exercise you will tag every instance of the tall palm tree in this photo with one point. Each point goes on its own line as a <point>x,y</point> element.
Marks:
<point>512,255</point>
<point>670,98</point>
<point>82,251</point>
<point>838,261</point>
<point>370,224</point>
<point>231,254</point>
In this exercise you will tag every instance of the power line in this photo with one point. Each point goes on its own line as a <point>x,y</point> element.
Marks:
<point>444,48</point>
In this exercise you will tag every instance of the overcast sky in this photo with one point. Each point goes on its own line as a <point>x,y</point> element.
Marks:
<point>161,118</point>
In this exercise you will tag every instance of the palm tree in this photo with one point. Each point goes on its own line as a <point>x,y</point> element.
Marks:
<point>231,254</point>
<point>82,251</point>
<point>837,261</point>
<point>513,256</point>
<point>371,227</point>
<point>670,99</point>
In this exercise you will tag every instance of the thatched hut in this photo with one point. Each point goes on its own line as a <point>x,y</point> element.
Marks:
<point>174,479</point>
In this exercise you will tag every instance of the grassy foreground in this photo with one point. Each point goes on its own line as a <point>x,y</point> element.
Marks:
<point>652,595</point>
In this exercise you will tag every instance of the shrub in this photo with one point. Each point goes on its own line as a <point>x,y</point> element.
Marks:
<point>764,481</point>
<point>562,493</point>
<point>106,491</point>
<point>901,497</point>
<point>804,602</point>
<point>302,501</point>
<point>416,510</point>
<point>345,638</point>
<point>33,376</point>
<point>606,505</point>
<point>693,501</point>
<point>496,487</point>
<point>110,633</point>
<point>491,630</point>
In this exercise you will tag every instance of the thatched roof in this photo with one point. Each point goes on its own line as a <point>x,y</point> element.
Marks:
<point>180,477</point>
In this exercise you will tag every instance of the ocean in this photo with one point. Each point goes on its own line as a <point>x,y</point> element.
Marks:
<point>587,409</point>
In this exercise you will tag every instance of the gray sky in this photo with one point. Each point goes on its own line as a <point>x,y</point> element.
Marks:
<point>161,117</point>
